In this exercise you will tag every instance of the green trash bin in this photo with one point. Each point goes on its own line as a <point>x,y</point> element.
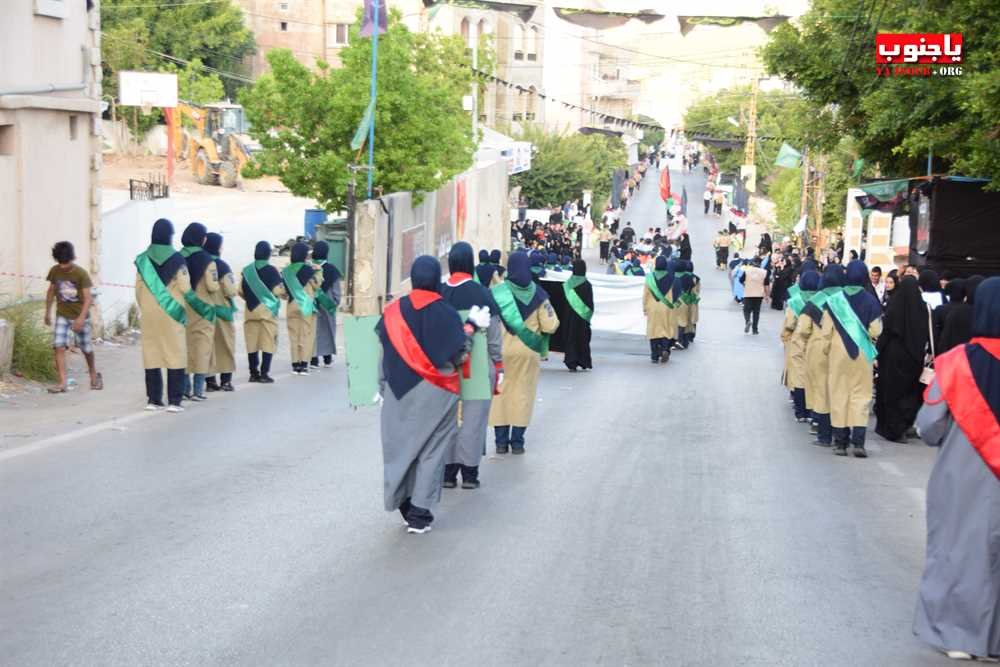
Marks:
<point>335,234</point>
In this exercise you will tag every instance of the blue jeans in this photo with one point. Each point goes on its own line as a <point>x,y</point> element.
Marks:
<point>199,384</point>
<point>510,436</point>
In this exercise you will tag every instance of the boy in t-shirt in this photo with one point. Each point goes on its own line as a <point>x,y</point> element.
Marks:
<point>69,287</point>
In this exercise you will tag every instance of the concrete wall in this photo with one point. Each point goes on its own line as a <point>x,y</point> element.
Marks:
<point>429,228</point>
<point>125,233</point>
<point>50,142</point>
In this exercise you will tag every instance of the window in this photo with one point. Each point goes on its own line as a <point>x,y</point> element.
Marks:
<point>529,116</point>
<point>518,42</point>
<point>336,34</point>
<point>518,116</point>
<point>518,55</point>
<point>284,26</point>
<point>6,139</point>
<point>72,128</point>
<point>283,6</point>
<point>465,31</point>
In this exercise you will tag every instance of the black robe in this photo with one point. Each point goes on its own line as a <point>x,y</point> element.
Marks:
<point>576,331</point>
<point>901,349</point>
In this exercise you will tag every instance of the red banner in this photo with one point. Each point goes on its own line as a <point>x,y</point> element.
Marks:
<point>665,184</point>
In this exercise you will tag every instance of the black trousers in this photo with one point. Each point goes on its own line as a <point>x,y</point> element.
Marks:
<point>657,346</point>
<point>708,204</point>
<point>154,386</point>
<point>751,310</point>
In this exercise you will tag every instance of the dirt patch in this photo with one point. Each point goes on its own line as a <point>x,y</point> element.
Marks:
<point>118,169</point>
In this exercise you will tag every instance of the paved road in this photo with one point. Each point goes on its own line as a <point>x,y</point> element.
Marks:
<point>663,515</point>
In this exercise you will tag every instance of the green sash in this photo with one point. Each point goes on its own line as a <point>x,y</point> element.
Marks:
<point>205,310</point>
<point>323,299</point>
<point>155,285</point>
<point>841,309</point>
<point>259,289</point>
<point>298,292</point>
<point>504,297</point>
<point>477,386</point>
<point>655,289</point>
<point>574,300</point>
<point>820,297</point>
<point>796,302</point>
<point>793,291</point>
<point>226,312</point>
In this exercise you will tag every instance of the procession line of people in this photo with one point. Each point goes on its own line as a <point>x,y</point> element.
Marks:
<point>187,304</point>
<point>457,359</point>
<point>670,304</point>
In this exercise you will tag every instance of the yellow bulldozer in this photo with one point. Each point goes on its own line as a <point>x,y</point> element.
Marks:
<point>213,139</point>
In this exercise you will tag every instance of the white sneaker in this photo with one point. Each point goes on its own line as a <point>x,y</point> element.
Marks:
<point>153,407</point>
<point>958,655</point>
<point>418,531</point>
<point>175,408</point>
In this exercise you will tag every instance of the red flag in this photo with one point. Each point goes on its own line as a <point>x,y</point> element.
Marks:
<point>665,184</point>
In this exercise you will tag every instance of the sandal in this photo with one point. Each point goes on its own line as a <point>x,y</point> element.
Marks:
<point>57,390</point>
<point>98,382</point>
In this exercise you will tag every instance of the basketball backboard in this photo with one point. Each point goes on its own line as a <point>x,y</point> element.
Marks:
<point>147,89</point>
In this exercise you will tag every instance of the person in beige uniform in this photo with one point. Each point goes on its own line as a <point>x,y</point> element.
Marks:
<point>200,310</point>
<point>795,351</point>
<point>754,280</point>
<point>161,282</point>
<point>809,328</point>
<point>528,320</point>
<point>224,357</point>
<point>851,323</point>
<point>660,310</point>
<point>302,281</point>
<point>262,290</point>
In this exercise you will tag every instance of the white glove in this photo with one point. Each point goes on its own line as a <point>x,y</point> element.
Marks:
<point>480,316</point>
<point>377,399</point>
<point>499,379</point>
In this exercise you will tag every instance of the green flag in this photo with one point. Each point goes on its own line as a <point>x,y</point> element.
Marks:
<point>362,132</point>
<point>787,156</point>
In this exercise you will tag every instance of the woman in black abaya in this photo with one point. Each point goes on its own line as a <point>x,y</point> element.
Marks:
<point>901,350</point>
<point>576,325</point>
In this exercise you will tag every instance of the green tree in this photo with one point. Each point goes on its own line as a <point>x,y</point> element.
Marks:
<point>564,165</point>
<point>212,32</point>
<point>830,55</point>
<point>651,137</point>
<point>305,119</point>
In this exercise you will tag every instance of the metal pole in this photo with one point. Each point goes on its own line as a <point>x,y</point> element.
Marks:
<point>376,27</point>
<point>351,216</point>
<point>930,158</point>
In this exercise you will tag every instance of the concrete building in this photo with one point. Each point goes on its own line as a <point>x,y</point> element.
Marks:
<point>50,144</point>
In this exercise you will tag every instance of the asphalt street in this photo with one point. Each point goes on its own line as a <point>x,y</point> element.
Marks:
<point>663,515</point>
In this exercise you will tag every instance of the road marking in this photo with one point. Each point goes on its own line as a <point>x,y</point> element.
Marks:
<point>115,423</point>
<point>890,468</point>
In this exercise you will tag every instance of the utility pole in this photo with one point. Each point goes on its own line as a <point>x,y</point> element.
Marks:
<point>818,196</point>
<point>748,153</point>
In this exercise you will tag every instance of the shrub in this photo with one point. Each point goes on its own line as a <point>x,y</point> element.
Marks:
<point>32,356</point>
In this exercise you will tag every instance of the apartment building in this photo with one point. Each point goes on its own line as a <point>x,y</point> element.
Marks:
<point>50,143</point>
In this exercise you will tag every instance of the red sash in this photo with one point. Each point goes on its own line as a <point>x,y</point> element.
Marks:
<point>971,411</point>
<point>409,349</point>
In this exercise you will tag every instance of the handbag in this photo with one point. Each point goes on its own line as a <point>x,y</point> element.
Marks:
<point>927,374</point>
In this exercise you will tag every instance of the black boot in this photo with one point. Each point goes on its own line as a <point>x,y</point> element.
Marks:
<point>470,477</point>
<point>211,384</point>
<point>254,360</point>
<point>226,382</point>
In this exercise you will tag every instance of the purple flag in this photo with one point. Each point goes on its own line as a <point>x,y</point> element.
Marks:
<point>369,18</point>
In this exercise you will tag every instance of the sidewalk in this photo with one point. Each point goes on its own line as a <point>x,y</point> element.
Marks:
<point>30,414</point>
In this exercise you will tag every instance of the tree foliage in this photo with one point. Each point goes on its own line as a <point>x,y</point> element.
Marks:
<point>564,165</point>
<point>651,137</point>
<point>305,119</point>
<point>830,55</point>
<point>213,32</point>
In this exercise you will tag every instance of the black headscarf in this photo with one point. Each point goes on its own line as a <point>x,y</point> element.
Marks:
<point>194,236</point>
<point>955,290</point>
<point>460,259</point>
<point>986,324</point>
<point>665,281</point>
<point>267,274</point>
<point>213,246</point>
<point>163,234</point>
<point>519,273</point>
<point>484,270</point>
<point>685,246</point>
<point>929,281</point>
<point>579,267</point>
<point>435,325</point>
<point>906,320</point>
<point>833,276</point>
<point>298,255</point>
<point>321,253</point>
<point>957,326</point>
<point>469,293</point>
<point>495,256</point>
